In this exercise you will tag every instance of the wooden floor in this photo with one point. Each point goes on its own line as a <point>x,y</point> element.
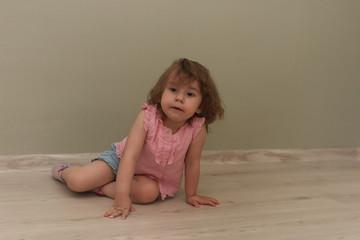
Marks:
<point>264,194</point>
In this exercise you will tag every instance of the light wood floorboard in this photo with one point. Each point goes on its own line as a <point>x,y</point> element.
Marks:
<point>264,194</point>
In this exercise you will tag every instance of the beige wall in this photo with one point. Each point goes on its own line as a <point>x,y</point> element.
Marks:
<point>74,73</point>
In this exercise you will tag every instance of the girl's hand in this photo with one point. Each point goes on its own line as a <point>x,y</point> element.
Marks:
<point>196,200</point>
<point>121,207</point>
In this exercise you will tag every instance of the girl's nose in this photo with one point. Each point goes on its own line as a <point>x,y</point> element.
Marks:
<point>180,98</point>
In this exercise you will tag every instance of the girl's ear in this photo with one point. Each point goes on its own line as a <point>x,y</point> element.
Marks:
<point>199,110</point>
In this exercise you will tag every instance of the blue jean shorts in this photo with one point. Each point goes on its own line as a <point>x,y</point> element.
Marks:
<point>110,158</point>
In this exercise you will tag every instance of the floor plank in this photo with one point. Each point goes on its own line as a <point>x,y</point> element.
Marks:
<point>264,194</point>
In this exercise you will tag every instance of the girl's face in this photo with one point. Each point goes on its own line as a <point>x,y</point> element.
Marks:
<point>180,101</point>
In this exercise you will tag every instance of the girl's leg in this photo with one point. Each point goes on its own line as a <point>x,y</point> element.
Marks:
<point>143,189</point>
<point>86,178</point>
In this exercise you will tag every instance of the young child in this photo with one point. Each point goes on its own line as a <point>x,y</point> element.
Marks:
<point>169,131</point>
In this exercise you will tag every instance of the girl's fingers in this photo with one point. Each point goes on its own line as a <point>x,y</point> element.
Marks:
<point>211,201</point>
<point>124,214</point>
<point>201,200</point>
<point>194,203</point>
<point>214,202</point>
<point>108,213</point>
<point>113,213</point>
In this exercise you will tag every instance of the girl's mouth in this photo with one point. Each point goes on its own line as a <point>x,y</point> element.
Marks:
<point>177,109</point>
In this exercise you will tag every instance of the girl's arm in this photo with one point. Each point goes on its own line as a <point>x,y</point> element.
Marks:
<point>122,204</point>
<point>192,171</point>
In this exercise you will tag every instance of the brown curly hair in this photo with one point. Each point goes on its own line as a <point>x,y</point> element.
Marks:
<point>188,71</point>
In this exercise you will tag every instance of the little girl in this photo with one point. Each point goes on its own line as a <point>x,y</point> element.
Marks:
<point>169,131</point>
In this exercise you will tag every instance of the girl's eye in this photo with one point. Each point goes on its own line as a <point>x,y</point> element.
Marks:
<point>191,94</point>
<point>172,89</point>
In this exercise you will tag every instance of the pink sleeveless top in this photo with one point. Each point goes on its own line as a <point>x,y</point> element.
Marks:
<point>163,154</point>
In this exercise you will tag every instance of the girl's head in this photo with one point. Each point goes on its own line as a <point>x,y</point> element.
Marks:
<point>185,71</point>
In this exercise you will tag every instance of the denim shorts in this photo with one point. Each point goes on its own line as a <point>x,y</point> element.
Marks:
<point>110,158</point>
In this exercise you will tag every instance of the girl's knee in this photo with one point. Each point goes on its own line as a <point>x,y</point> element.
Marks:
<point>76,183</point>
<point>88,177</point>
<point>150,194</point>
<point>147,190</point>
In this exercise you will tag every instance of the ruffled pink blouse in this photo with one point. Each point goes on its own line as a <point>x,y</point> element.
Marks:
<point>163,154</point>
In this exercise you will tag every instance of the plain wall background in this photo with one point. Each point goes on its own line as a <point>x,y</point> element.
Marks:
<point>75,73</point>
